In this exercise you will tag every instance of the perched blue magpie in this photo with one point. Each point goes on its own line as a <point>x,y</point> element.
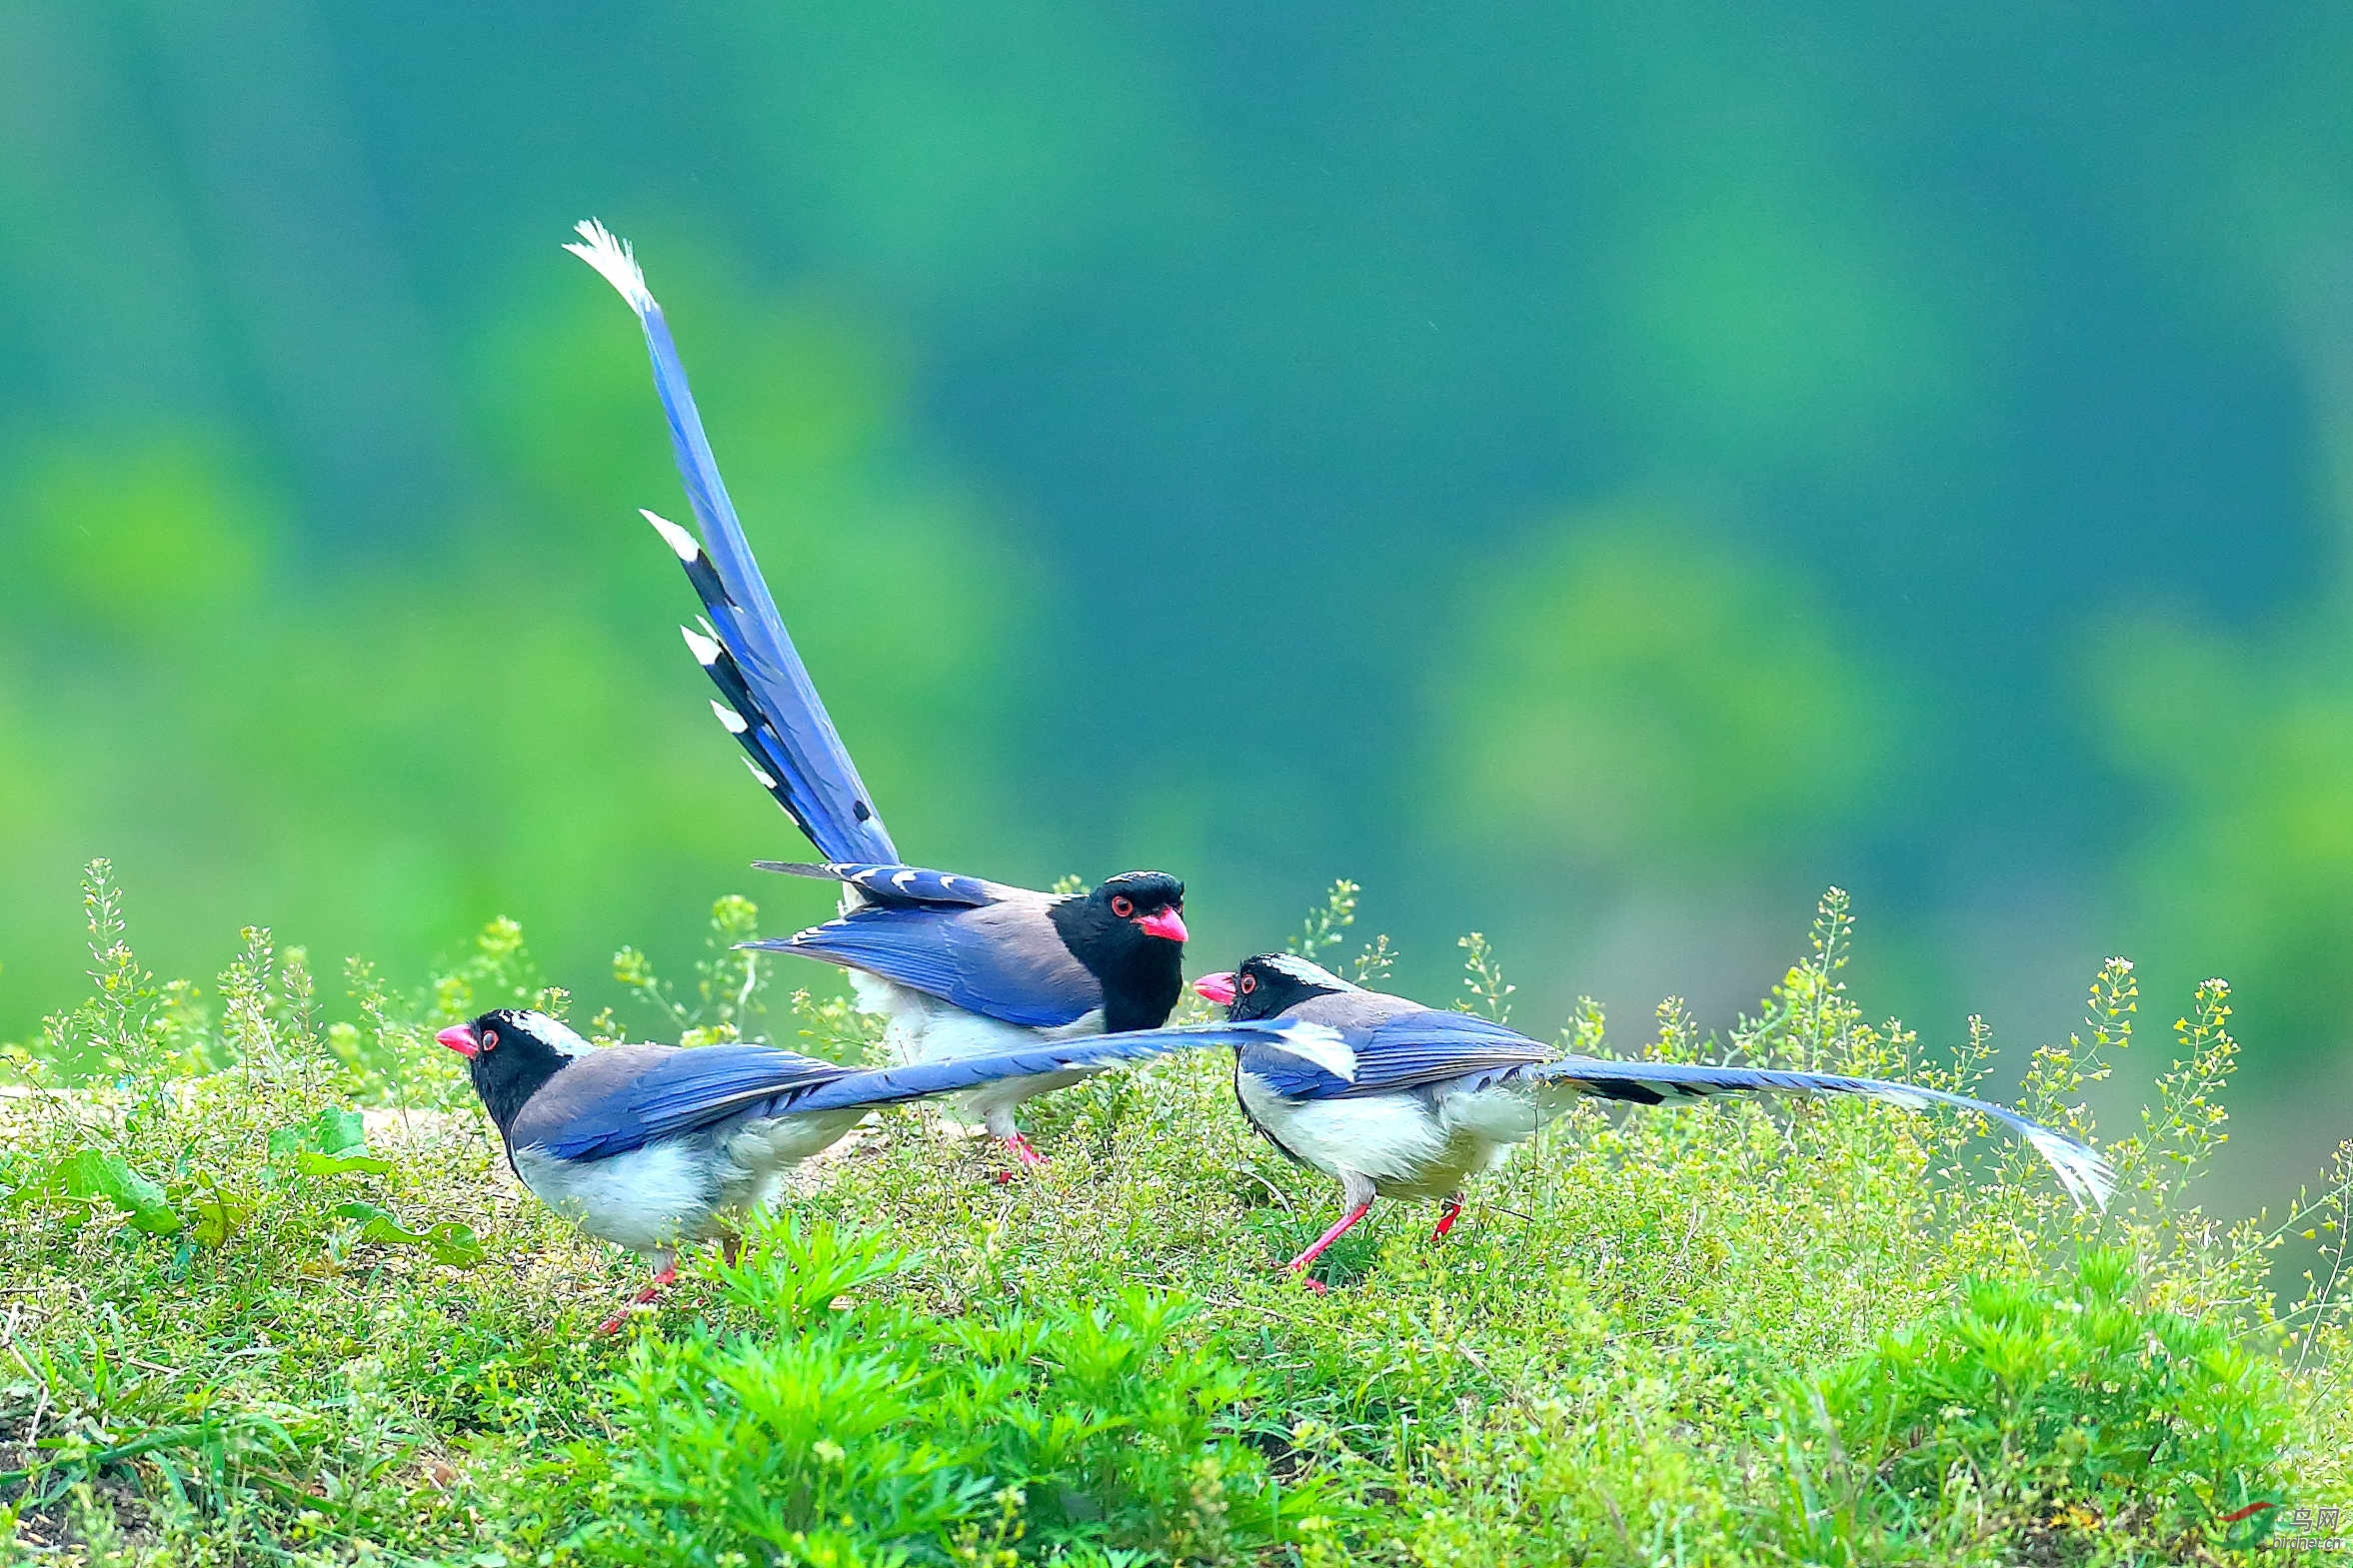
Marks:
<point>1431,1097</point>
<point>650,1146</point>
<point>959,967</point>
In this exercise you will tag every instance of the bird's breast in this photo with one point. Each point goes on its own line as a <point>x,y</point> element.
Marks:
<point>1394,1139</point>
<point>647,1198</point>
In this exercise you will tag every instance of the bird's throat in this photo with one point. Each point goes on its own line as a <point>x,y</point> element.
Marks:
<point>1141,993</point>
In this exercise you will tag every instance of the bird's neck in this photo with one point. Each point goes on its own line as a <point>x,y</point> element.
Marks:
<point>1141,993</point>
<point>505,1093</point>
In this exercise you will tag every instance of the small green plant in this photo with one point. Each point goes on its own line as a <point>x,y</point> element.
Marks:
<point>1484,990</point>
<point>2051,1417</point>
<point>729,979</point>
<point>1326,927</point>
<point>841,1425</point>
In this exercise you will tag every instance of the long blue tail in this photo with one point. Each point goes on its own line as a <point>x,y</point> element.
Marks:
<point>2080,1170</point>
<point>922,1080</point>
<point>772,707</point>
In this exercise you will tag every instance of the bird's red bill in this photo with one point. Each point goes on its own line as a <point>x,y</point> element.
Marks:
<point>460,1039</point>
<point>1164,923</point>
<point>1215,988</point>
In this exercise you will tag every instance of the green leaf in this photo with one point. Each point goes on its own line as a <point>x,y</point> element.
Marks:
<point>332,1143</point>
<point>340,1164</point>
<point>449,1241</point>
<point>455,1244</point>
<point>220,1214</point>
<point>334,1130</point>
<point>96,1176</point>
<point>339,1130</point>
<point>379,1225</point>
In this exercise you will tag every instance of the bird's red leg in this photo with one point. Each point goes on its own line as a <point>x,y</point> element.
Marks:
<point>1017,1144</point>
<point>1298,1265</point>
<point>662,1281</point>
<point>1446,1217</point>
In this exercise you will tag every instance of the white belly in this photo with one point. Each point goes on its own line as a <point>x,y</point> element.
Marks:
<point>671,1193</point>
<point>649,1199</point>
<point>1394,1140</point>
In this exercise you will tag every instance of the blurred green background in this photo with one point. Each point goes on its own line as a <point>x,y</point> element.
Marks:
<point>1595,474</point>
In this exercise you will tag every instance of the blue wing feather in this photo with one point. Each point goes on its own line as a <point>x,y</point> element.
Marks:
<point>1430,1046</point>
<point>680,1093</point>
<point>928,949</point>
<point>790,732</point>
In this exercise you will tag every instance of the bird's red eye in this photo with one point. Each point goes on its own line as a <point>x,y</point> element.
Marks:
<point>490,1039</point>
<point>1249,983</point>
<point>1122,906</point>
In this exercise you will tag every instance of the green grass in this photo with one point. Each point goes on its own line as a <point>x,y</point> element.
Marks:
<point>239,1326</point>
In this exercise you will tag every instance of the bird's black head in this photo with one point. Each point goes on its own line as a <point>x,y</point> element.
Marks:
<point>1129,932</point>
<point>1268,985</point>
<point>512,1051</point>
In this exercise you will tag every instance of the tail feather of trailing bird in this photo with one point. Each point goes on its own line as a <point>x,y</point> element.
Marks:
<point>903,885</point>
<point>771,705</point>
<point>922,1080</point>
<point>2087,1177</point>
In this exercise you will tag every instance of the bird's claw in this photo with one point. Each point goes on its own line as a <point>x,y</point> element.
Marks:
<point>619,1320</point>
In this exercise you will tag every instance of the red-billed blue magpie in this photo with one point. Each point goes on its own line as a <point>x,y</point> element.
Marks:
<point>959,967</point>
<point>1429,1098</point>
<point>650,1146</point>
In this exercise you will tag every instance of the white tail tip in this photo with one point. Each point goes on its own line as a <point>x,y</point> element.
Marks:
<point>615,262</point>
<point>681,543</point>
<point>760,774</point>
<point>1321,1045</point>
<point>730,720</point>
<point>2087,1177</point>
<point>706,651</point>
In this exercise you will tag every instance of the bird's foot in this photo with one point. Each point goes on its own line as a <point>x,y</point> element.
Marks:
<point>1019,1147</point>
<point>1298,1265</point>
<point>1446,1217</point>
<point>730,1248</point>
<point>662,1281</point>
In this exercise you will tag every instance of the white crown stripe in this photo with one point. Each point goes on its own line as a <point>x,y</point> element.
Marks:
<point>1305,971</point>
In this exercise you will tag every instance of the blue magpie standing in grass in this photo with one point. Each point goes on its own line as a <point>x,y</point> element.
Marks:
<point>651,1146</point>
<point>957,966</point>
<point>1429,1098</point>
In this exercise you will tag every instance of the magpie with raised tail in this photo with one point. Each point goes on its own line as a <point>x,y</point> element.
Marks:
<point>1431,1097</point>
<point>957,965</point>
<point>652,1146</point>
